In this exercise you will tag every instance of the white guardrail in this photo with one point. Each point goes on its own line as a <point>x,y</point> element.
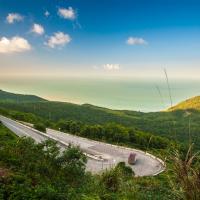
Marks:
<point>162,163</point>
<point>57,140</point>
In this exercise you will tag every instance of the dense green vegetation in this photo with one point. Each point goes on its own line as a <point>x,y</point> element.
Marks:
<point>175,125</point>
<point>38,171</point>
<point>115,133</point>
<point>109,132</point>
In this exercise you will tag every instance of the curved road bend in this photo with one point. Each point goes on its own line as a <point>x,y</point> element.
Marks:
<point>100,155</point>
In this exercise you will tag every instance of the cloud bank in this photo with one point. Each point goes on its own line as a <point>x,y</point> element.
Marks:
<point>14,45</point>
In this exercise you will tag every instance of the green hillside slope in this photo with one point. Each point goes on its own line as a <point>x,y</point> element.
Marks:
<point>192,103</point>
<point>16,98</point>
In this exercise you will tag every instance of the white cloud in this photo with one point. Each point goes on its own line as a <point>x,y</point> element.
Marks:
<point>46,13</point>
<point>14,44</point>
<point>12,17</point>
<point>136,41</point>
<point>111,67</point>
<point>38,29</point>
<point>58,39</point>
<point>67,13</point>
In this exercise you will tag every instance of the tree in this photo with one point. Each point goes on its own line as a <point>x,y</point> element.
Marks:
<point>40,127</point>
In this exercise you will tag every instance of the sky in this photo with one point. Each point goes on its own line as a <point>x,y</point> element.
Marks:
<point>104,38</point>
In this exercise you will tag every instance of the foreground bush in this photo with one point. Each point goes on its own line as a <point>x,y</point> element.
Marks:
<point>41,171</point>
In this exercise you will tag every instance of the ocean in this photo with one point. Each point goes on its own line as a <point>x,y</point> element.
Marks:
<point>131,94</point>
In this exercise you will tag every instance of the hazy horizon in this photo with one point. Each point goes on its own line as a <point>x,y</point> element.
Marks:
<point>139,95</point>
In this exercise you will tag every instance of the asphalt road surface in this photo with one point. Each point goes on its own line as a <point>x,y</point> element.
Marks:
<point>100,155</point>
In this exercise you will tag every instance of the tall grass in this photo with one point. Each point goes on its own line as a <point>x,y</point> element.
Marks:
<point>160,94</point>
<point>169,88</point>
<point>186,165</point>
<point>186,170</point>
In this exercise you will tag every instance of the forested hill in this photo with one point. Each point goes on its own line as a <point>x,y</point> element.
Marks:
<point>192,103</point>
<point>171,124</point>
<point>53,110</point>
<point>16,98</point>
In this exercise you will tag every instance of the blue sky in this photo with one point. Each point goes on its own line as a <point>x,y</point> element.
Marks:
<point>100,37</point>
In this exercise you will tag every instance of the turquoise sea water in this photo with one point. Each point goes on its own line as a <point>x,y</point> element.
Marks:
<point>143,95</point>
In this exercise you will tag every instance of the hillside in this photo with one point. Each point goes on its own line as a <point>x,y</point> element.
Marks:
<point>172,124</point>
<point>192,103</point>
<point>53,110</point>
<point>17,98</point>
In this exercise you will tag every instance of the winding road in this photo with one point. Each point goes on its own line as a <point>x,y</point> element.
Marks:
<point>100,155</point>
